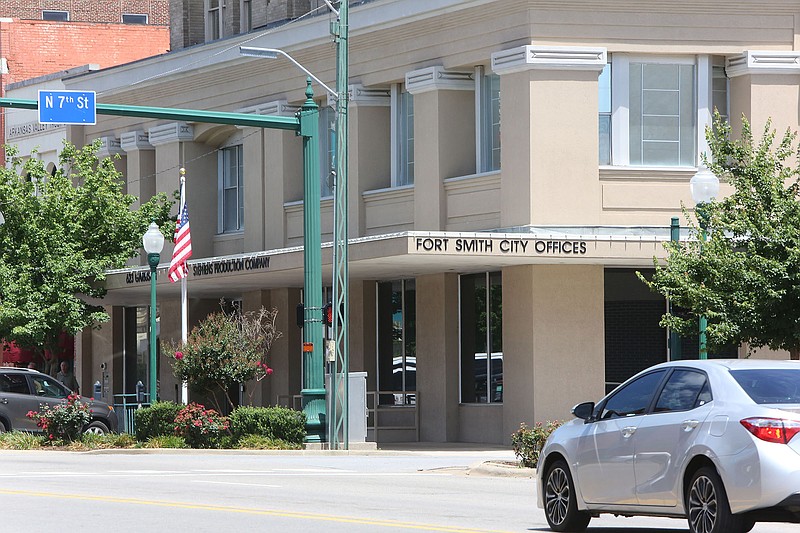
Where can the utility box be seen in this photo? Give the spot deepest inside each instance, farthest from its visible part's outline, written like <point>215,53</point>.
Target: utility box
<point>357,416</point>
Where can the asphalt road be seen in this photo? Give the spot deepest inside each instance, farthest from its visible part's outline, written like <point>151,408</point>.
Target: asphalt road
<point>212,492</point>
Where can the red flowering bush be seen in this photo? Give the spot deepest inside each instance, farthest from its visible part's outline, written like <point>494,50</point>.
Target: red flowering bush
<point>64,421</point>
<point>200,427</point>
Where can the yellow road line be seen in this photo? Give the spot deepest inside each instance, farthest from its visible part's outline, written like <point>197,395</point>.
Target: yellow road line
<point>223,508</point>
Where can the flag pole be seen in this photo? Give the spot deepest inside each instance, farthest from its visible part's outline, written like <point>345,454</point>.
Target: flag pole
<point>184,300</point>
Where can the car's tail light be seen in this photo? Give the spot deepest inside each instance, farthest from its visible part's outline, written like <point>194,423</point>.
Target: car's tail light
<point>772,429</point>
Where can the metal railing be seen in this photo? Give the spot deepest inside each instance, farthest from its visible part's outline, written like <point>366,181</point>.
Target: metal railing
<point>125,405</point>
<point>402,402</point>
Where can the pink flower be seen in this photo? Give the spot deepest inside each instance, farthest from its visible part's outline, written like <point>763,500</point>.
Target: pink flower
<point>268,370</point>
<point>178,355</point>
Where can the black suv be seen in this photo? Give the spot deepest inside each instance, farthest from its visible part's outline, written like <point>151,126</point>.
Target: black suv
<point>23,390</point>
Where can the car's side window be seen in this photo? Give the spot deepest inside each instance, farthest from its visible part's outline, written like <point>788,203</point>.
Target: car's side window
<point>634,398</point>
<point>47,387</point>
<point>684,390</point>
<point>14,383</point>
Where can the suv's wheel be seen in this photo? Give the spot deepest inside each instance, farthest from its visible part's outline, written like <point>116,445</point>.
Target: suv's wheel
<point>97,428</point>
<point>560,505</point>
<point>2,427</point>
<point>707,505</point>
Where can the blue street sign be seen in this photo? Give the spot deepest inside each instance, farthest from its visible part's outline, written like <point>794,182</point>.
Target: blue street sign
<point>67,107</point>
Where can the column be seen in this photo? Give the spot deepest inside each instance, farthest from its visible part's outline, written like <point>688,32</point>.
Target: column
<point>549,161</point>
<point>140,174</point>
<point>444,138</point>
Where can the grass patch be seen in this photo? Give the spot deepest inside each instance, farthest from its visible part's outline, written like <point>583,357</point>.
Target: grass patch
<point>260,442</point>
<point>165,441</point>
<point>21,440</point>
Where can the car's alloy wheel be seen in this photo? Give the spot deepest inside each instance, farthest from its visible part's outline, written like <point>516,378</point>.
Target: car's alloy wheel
<point>560,505</point>
<point>97,428</point>
<point>707,506</point>
<point>2,427</point>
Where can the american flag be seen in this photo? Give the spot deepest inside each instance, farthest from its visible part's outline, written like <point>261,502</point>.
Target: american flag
<point>183,241</point>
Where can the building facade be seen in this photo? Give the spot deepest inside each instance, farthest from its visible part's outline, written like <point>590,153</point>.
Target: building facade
<point>512,165</point>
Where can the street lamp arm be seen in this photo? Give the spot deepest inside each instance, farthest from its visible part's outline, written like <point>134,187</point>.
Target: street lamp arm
<point>271,53</point>
<point>330,6</point>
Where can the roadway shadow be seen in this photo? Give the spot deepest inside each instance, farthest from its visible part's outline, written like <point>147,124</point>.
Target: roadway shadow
<point>605,529</point>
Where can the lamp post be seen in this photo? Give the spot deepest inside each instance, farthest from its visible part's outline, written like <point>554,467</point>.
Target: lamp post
<point>153,242</point>
<point>704,186</point>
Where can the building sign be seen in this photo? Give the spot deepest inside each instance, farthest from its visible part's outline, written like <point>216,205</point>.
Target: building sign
<point>17,131</point>
<point>499,246</point>
<point>209,268</point>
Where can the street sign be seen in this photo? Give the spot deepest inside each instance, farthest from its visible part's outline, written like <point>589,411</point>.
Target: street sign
<point>67,107</point>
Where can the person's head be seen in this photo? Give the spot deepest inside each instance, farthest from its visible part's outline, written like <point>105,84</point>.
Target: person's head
<point>32,365</point>
<point>64,367</point>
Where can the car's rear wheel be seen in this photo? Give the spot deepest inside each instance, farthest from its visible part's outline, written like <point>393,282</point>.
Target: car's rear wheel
<point>96,428</point>
<point>560,504</point>
<point>707,505</point>
<point>2,427</point>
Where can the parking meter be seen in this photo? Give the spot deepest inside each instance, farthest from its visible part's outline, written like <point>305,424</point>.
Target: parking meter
<point>98,389</point>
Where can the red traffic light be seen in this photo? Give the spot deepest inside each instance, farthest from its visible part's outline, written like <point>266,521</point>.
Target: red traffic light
<point>327,314</point>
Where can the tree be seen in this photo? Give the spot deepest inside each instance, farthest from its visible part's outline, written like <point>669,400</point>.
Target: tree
<point>224,349</point>
<point>62,232</point>
<point>745,278</point>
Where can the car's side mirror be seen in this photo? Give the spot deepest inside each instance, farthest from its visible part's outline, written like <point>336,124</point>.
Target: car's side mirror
<point>584,411</point>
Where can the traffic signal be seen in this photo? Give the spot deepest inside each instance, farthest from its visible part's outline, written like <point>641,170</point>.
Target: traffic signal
<point>327,314</point>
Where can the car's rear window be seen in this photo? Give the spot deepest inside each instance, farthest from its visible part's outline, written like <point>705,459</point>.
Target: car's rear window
<point>770,385</point>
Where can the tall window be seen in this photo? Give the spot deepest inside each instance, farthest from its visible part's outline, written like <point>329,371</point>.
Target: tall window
<point>604,98</point>
<point>489,125</point>
<point>397,342</point>
<point>662,114</point>
<point>654,109</point>
<point>402,137</point>
<point>213,19</point>
<point>481,321</point>
<point>231,189</point>
<point>327,149</point>
<point>246,16</point>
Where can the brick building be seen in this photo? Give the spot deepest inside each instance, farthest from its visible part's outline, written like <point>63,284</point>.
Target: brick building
<point>39,37</point>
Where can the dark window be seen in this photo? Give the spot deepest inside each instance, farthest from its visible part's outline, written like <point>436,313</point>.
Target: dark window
<point>634,398</point>
<point>770,385</point>
<point>684,390</point>
<point>62,16</point>
<point>128,18</point>
<point>15,383</point>
<point>48,387</point>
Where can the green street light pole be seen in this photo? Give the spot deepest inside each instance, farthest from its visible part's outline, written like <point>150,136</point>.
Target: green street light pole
<point>153,242</point>
<point>674,338</point>
<point>704,187</point>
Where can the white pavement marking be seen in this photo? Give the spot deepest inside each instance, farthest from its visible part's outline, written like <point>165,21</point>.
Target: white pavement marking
<point>231,483</point>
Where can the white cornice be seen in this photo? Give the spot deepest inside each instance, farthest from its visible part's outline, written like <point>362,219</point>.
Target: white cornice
<point>169,133</point>
<point>135,140</point>
<point>438,79</point>
<point>763,62</point>
<point>109,146</point>
<point>549,58</point>
<point>280,108</point>
<point>369,96</point>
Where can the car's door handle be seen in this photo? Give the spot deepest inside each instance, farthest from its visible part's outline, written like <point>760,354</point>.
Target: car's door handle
<point>3,400</point>
<point>689,425</point>
<point>627,431</point>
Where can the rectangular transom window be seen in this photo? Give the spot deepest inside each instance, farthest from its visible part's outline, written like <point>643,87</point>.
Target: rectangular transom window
<point>62,16</point>
<point>131,18</point>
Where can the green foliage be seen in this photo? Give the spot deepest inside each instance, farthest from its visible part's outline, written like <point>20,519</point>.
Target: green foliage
<point>222,350</point>
<point>165,441</point>
<point>200,427</point>
<point>62,422</point>
<point>156,420</point>
<point>21,440</point>
<point>61,233</point>
<point>269,422</point>
<point>746,277</point>
<point>528,442</point>
<point>260,442</point>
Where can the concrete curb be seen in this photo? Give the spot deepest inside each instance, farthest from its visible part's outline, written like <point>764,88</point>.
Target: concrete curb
<point>501,469</point>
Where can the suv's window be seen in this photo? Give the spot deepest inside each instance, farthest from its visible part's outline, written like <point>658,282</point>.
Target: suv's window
<point>48,387</point>
<point>770,385</point>
<point>14,383</point>
<point>633,398</point>
<point>684,390</point>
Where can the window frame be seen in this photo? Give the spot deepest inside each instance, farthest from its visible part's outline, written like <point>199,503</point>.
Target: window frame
<point>143,16</point>
<point>620,103</point>
<point>246,16</point>
<point>490,342</point>
<point>485,120</point>
<point>238,149</point>
<point>213,31</point>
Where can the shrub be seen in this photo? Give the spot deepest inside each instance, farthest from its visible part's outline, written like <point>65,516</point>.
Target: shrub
<point>64,421</point>
<point>91,441</point>
<point>272,422</point>
<point>20,440</point>
<point>156,420</point>
<point>260,442</point>
<point>201,427</point>
<point>165,441</point>
<point>528,442</point>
